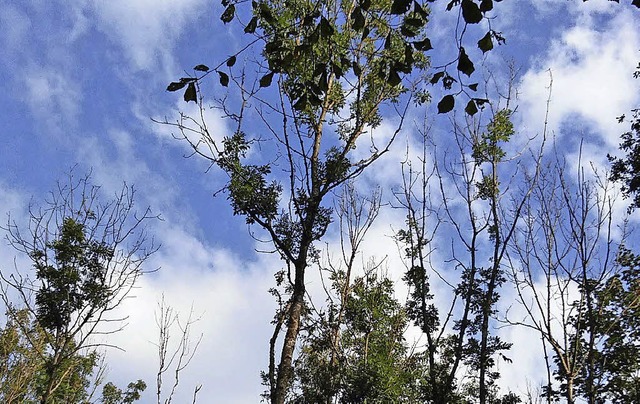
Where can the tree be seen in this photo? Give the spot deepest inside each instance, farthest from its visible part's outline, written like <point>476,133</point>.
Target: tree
<point>353,347</point>
<point>175,358</point>
<point>336,65</point>
<point>339,67</point>
<point>627,170</point>
<point>86,257</point>
<point>461,215</point>
<point>575,289</point>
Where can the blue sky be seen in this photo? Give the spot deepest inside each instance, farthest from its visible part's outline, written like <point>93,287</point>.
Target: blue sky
<point>81,80</point>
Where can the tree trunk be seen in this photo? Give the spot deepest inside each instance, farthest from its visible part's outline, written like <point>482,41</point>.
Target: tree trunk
<point>285,368</point>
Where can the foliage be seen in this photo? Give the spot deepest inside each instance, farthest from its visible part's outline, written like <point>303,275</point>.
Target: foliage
<point>86,257</point>
<point>627,170</point>
<point>114,395</point>
<point>371,362</point>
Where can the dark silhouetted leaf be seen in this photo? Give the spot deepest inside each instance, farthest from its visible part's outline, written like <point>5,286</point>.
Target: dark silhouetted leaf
<point>636,3</point>
<point>448,81</point>
<point>414,22</point>
<point>224,78</point>
<point>481,101</point>
<point>408,31</point>
<point>400,6</point>
<point>176,85</point>
<point>471,12</point>
<point>314,100</point>
<point>365,4</point>
<point>357,19</point>
<point>446,104</point>
<point>394,78</point>
<point>201,68</point>
<point>473,87</point>
<point>228,14</point>
<point>190,93</point>
<point>231,61</point>
<point>436,77</point>
<point>471,108</point>
<point>417,8</point>
<point>486,5</point>
<point>301,104</point>
<point>265,81</point>
<point>337,70</point>
<point>465,65</point>
<point>408,55</point>
<point>356,69</point>
<point>423,45</point>
<point>265,13</point>
<point>387,41</point>
<point>326,30</point>
<point>251,27</point>
<point>323,82</point>
<point>486,43</point>
<point>365,33</point>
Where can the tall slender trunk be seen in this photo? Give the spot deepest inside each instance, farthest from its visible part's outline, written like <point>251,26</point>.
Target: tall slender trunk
<point>285,368</point>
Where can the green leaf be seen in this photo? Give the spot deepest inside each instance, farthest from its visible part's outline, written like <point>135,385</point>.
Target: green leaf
<point>400,6</point>
<point>471,12</point>
<point>201,68</point>
<point>465,65</point>
<point>265,81</point>
<point>231,61</point>
<point>446,104</point>
<point>251,27</point>
<point>224,78</point>
<point>423,45</point>
<point>486,5</point>
<point>471,108</point>
<point>176,85</point>
<point>228,14</point>
<point>190,93</point>
<point>486,43</point>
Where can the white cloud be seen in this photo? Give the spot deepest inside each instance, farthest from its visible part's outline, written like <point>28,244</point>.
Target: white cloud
<point>228,293</point>
<point>53,96</point>
<point>592,79</point>
<point>146,29</point>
